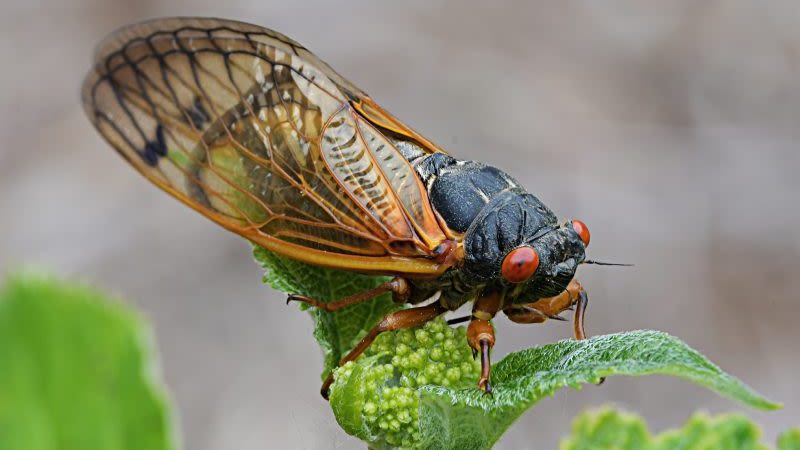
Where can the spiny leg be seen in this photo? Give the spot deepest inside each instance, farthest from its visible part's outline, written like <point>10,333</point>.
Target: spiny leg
<point>580,312</point>
<point>574,296</point>
<point>397,286</point>
<point>480,335</point>
<point>398,320</point>
<point>528,314</point>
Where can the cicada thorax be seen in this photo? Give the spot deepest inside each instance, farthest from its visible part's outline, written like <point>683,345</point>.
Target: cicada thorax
<point>496,216</point>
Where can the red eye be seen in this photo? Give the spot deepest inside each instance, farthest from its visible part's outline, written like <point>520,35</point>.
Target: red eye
<point>582,230</point>
<point>519,264</point>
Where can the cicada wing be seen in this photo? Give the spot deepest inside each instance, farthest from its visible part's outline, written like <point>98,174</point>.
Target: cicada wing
<point>252,130</point>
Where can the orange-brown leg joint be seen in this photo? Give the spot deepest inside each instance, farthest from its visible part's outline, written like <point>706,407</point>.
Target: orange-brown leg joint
<point>480,336</point>
<point>575,295</point>
<point>399,287</point>
<point>550,308</point>
<point>580,312</point>
<point>581,302</point>
<point>398,320</point>
<point>525,314</point>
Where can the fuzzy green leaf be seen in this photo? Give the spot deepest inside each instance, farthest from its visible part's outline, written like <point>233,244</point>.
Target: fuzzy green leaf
<point>461,417</point>
<point>76,371</point>
<point>607,429</point>
<point>457,415</point>
<point>337,332</point>
<point>523,378</point>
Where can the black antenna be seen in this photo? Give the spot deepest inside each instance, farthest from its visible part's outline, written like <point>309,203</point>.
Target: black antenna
<point>602,263</point>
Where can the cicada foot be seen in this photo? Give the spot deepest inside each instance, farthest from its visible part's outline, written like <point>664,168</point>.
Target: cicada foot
<point>574,297</point>
<point>485,386</point>
<point>480,336</point>
<point>580,312</point>
<point>486,367</point>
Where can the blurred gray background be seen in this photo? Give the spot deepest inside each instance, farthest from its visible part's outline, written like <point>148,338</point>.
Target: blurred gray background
<point>670,128</point>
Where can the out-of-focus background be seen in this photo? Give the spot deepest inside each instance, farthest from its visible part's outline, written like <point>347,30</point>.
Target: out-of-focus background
<point>671,128</point>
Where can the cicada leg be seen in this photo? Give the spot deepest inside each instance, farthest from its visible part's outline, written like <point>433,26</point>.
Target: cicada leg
<point>573,297</point>
<point>580,312</point>
<point>528,314</point>
<point>398,320</point>
<point>480,334</point>
<point>397,286</point>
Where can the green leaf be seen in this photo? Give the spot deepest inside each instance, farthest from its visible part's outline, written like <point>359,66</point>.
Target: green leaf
<point>607,429</point>
<point>338,332</point>
<point>370,397</point>
<point>523,378</point>
<point>76,371</point>
<point>464,418</point>
<point>790,440</point>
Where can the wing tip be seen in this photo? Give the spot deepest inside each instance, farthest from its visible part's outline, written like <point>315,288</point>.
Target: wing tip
<point>126,33</point>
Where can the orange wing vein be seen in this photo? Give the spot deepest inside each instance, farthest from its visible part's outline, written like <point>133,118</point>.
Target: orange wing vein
<point>253,131</point>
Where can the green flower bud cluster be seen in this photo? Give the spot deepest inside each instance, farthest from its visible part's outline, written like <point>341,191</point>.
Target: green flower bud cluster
<point>434,354</point>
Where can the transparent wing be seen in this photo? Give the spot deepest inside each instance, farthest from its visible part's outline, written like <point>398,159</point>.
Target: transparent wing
<point>252,130</point>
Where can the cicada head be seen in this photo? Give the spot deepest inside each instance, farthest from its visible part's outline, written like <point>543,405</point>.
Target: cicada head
<point>516,243</point>
<point>560,252</point>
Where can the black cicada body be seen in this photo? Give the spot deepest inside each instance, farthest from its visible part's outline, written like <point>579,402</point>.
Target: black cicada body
<point>255,132</point>
<point>499,222</point>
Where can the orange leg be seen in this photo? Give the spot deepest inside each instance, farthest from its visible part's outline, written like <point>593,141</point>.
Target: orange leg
<point>577,325</point>
<point>397,286</point>
<point>398,320</point>
<point>580,312</point>
<point>574,296</point>
<point>553,306</point>
<point>480,335</point>
<point>528,314</point>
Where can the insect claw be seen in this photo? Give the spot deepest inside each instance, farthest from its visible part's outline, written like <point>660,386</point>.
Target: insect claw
<point>485,386</point>
<point>325,390</point>
<point>474,354</point>
<point>299,298</point>
<point>557,317</point>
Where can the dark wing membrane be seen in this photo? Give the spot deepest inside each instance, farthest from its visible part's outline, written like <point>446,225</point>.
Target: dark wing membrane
<point>252,130</point>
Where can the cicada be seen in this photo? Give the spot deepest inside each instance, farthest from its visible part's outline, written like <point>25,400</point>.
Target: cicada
<point>249,128</point>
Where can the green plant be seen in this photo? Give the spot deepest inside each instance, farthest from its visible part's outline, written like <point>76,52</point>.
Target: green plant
<point>607,429</point>
<point>76,371</point>
<point>445,411</point>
